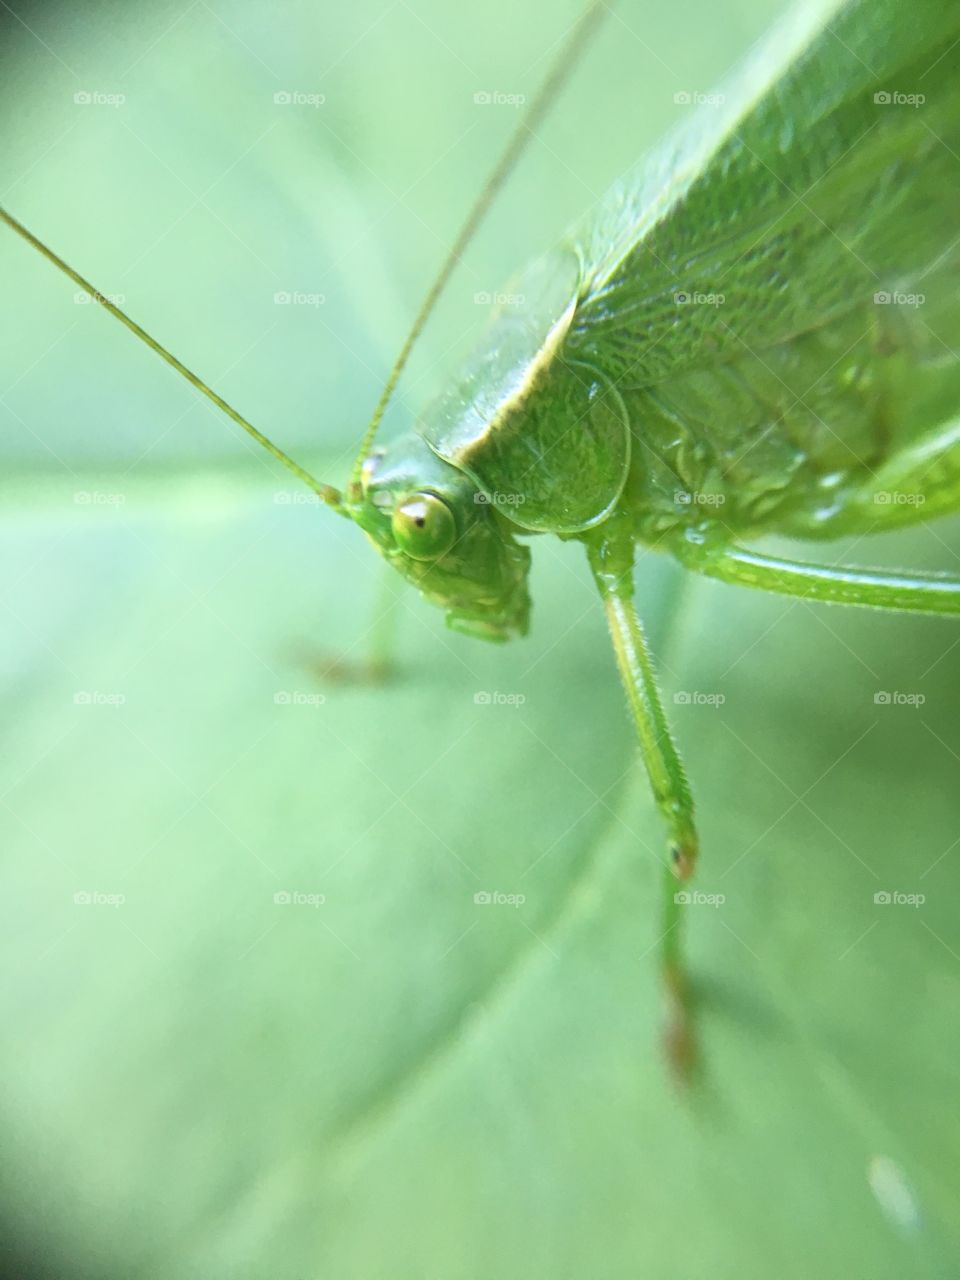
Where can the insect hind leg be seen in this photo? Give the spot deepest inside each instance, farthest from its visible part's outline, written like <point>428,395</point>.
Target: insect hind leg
<point>831,584</point>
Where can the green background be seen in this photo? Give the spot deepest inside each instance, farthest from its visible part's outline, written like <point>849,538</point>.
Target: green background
<point>401,1082</point>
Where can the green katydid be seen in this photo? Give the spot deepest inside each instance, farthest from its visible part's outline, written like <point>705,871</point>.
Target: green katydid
<point>722,352</point>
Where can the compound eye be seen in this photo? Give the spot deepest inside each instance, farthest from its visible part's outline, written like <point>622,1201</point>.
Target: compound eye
<point>424,527</point>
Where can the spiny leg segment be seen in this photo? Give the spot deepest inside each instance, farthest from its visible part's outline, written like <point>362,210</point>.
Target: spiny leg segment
<point>611,552</point>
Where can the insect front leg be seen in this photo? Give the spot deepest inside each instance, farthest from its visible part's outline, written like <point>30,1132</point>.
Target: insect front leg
<point>611,552</point>
<point>372,659</point>
<point>382,644</point>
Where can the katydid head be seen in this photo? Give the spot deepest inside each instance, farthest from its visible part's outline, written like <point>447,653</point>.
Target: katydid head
<point>434,525</point>
<point>429,519</point>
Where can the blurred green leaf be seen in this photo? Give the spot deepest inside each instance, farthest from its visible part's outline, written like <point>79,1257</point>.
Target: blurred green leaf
<point>401,1081</point>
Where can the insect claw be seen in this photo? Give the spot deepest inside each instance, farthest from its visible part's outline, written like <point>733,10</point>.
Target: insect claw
<point>679,1037</point>
<point>683,858</point>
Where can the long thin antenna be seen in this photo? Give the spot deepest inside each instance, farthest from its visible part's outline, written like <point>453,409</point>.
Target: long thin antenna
<point>574,45</point>
<point>326,492</point>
